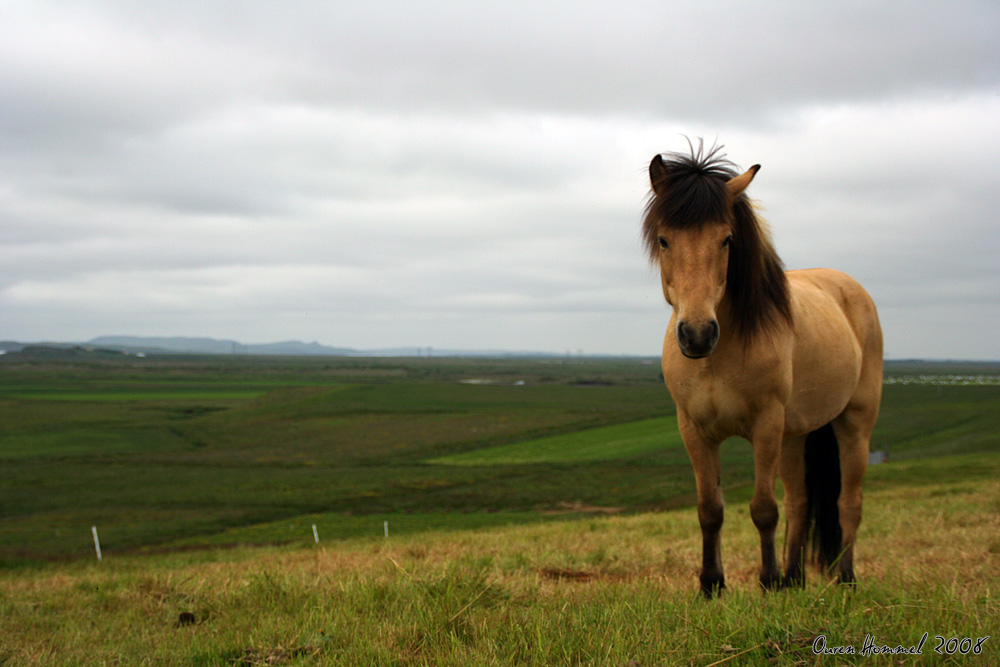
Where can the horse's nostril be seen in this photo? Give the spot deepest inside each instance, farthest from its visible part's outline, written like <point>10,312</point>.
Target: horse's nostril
<point>697,340</point>
<point>682,330</point>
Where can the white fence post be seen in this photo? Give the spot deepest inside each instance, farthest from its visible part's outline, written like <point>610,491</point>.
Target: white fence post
<point>97,543</point>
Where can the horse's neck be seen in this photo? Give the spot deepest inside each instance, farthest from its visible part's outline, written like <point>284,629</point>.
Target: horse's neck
<point>736,355</point>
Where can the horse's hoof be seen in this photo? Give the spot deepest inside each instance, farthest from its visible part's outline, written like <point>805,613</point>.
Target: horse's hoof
<point>712,593</point>
<point>771,582</point>
<point>712,588</point>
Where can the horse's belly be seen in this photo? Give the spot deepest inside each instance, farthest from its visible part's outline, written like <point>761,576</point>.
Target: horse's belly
<point>826,364</point>
<point>812,407</point>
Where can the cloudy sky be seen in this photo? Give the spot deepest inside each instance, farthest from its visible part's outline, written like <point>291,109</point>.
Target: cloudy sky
<point>471,175</point>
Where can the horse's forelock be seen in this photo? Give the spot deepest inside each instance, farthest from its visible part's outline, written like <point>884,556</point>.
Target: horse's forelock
<point>689,190</point>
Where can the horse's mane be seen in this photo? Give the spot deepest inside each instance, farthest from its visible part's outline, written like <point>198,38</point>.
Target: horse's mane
<point>692,192</point>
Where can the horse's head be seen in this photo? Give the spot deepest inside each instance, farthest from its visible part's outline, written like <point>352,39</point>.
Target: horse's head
<point>691,230</point>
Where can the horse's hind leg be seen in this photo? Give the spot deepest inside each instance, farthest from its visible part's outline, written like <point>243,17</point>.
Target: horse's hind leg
<point>853,429</point>
<point>793,476</point>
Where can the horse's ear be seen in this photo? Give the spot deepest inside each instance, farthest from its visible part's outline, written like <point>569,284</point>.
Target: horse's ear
<point>657,174</point>
<point>738,184</point>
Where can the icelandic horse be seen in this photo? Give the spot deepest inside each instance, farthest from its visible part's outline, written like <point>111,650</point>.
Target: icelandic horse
<point>791,361</point>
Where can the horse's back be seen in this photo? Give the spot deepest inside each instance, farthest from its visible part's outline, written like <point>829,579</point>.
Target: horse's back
<point>837,354</point>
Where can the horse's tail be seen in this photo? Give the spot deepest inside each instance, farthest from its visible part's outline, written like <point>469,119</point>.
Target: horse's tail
<point>823,489</point>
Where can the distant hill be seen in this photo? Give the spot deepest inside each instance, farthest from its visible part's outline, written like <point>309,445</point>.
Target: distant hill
<point>294,347</point>
<point>181,345</point>
<point>186,345</point>
<point>54,352</point>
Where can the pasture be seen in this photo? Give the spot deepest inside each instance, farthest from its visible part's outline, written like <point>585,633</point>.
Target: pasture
<point>539,515</point>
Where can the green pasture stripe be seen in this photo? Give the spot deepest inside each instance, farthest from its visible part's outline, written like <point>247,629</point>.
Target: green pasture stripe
<point>621,441</point>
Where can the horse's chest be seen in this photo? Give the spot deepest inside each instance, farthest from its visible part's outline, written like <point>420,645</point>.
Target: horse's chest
<point>721,408</point>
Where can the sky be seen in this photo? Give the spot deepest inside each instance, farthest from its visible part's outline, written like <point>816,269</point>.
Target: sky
<point>471,175</point>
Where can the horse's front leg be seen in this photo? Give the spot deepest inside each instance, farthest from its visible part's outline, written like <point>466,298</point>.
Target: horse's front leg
<point>704,455</point>
<point>767,436</point>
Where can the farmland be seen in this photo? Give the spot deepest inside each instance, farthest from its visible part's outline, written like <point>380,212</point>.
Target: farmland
<point>232,450</point>
<point>539,513</point>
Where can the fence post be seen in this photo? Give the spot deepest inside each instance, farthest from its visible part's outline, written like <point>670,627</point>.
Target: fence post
<point>97,543</point>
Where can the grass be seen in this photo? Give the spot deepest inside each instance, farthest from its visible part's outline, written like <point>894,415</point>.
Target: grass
<point>590,591</point>
<point>205,476</point>
<point>622,441</point>
<point>926,421</point>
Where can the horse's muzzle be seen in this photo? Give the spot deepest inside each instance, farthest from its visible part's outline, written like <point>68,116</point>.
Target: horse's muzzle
<point>697,341</point>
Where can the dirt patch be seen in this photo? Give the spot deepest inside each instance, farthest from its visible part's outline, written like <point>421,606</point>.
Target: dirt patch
<point>561,574</point>
<point>578,507</point>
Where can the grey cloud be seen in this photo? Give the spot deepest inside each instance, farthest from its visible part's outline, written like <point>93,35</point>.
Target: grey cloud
<point>469,175</point>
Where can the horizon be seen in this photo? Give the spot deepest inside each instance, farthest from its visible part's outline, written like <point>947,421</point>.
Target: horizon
<point>420,351</point>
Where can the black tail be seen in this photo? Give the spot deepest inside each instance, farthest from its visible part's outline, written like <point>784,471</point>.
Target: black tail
<point>823,488</point>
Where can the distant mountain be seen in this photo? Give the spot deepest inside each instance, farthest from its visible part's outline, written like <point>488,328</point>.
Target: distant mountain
<point>181,345</point>
<point>294,347</point>
<point>49,352</point>
<point>184,345</point>
<point>160,344</point>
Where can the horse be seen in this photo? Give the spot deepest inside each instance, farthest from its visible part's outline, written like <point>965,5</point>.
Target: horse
<point>789,360</point>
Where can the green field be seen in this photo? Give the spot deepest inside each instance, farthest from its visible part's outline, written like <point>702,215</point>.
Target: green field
<point>206,475</point>
<point>604,443</point>
<point>209,449</point>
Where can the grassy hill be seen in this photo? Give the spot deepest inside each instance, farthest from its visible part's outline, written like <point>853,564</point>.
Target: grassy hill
<point>596,591</point>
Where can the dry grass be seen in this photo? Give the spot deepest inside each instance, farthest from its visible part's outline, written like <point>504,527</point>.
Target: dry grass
<point>605,591</point>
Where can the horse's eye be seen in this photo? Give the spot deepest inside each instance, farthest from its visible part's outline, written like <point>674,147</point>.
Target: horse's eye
<point>663,243</point>
<point>728,242</point>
